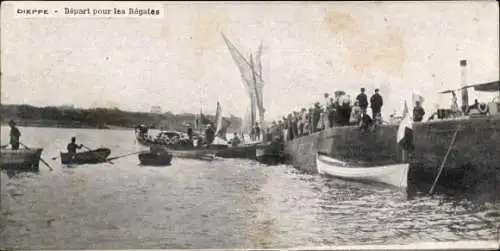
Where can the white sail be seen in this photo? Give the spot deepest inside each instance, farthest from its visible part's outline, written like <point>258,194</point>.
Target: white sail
<point>218,119</point>
<point>242,64</point>
<point>246,123</point>
<point>252,80</point>
<point>259,84</point>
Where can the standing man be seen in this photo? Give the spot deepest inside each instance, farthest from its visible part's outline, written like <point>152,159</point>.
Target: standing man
<point>362,100</point>
<point>15,134</point>
<point>376,103</point>
<point>418,112</point>
<point>190,132</point>
<point>209,135</point>
<point>257,132</point>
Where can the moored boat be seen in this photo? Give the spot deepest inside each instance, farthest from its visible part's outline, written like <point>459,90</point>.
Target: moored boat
<point>185,150</point>
<point>239,152</point>
<point>270,153</point>
<point>22,159</point>
<point>199,153</point>
<point>155,159</point>
<point>392,174</point>
<point>89,157</point>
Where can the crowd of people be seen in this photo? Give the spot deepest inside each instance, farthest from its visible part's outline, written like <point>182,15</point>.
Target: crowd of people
<point>338,110</point>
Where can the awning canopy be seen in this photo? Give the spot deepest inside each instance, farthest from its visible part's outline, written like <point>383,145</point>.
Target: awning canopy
<point>484,87</point>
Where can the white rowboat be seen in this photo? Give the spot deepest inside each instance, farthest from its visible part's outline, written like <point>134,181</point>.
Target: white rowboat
<point>395,174</point>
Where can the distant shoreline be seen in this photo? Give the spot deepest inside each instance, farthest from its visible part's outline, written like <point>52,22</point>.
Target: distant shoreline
<point>102,118</point>
<point>59,124</point>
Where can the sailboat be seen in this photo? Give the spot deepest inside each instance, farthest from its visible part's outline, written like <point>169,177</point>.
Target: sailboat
<point>251,73</point>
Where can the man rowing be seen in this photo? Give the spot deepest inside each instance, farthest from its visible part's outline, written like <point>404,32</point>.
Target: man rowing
<point>15,134</point>
<point>73,146</point>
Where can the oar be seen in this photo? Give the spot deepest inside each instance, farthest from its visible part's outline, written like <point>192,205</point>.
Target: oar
<point>43,161</point>
<point>121,156</point>
<point>97,154</point>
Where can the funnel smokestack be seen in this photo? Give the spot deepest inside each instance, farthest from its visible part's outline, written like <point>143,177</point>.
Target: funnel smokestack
<point>465,93</point>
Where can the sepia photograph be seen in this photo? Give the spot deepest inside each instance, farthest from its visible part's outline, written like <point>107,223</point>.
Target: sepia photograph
<point>295,125</point>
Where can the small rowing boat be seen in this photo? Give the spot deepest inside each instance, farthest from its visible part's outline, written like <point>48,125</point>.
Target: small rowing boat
<point>89,157</point>
<point>392,174</point>
<point>22,159</point>
<point>155,159</point>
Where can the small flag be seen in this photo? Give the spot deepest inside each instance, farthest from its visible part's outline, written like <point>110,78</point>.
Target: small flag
<point>405,132</point>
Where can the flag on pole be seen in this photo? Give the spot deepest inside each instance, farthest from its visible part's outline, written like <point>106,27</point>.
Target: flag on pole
<point>405,131</point>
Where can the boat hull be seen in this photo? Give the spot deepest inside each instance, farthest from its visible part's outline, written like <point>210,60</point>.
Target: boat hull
<point>238,152</point>
<point>152,159</point>
<point>90,157</point>
<point>473,164</point>
<point>394,174</point>
<point>22,159</point>
<point>188,151</point>
<point>271,153</point>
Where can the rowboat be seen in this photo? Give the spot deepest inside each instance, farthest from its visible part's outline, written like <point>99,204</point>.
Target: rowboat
<point>393,174</point>
<point>89,157</point>
<point>155,159</point>
<point>22,159</point>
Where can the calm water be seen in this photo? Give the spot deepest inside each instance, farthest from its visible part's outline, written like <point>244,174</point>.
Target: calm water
<point>220,204</point>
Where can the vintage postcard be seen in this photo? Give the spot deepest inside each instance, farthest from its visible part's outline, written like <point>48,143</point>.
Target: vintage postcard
<point>250,125</point>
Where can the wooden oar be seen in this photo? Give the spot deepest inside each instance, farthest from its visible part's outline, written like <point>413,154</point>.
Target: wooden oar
<point>92,151</point>
<point>43,161</point>
<point>121,156</point>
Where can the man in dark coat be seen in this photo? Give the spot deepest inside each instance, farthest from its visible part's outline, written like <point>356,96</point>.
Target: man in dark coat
<point>14,135</point>
<point>257,131</point>
<point>316,117</point>
<point>376,103</point>
<point>362,100</point>
<point>418,112</point>
<point>190,132</point>
<point>289,127</point>
<point>209,134</point>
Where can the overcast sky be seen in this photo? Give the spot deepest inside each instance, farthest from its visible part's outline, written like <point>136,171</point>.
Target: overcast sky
<point>181,60</point>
